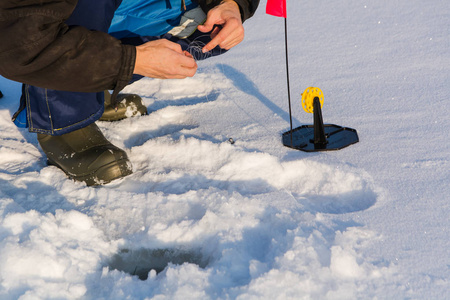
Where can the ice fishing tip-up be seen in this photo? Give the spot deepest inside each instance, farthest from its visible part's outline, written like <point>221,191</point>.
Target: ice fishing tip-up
<point>319,136</point>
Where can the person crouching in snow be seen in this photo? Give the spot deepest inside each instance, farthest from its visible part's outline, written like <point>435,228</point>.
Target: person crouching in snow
<point>69,53</point>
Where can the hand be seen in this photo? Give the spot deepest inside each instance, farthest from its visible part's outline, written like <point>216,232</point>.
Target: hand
<point>230,33</point>
<point>165,60</point>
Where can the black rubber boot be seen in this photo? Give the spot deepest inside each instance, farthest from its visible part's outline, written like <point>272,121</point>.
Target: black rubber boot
<point>129,105</point>
<point>86,155</point>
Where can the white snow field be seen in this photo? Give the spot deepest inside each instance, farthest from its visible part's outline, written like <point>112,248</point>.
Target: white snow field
<point>202,218</point>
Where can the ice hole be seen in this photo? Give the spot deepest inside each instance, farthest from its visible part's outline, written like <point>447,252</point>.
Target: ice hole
<point>139,262</point>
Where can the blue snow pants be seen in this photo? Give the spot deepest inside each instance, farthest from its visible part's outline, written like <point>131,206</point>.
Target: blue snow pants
<point>58,112</point>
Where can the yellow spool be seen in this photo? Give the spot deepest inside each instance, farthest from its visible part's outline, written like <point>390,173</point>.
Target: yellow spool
<point>308,98</point>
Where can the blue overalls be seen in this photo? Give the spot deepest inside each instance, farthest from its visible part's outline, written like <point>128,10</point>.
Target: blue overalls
<point>58,112</point>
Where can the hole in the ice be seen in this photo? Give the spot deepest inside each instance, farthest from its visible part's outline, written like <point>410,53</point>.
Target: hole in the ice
<point>139,262</point>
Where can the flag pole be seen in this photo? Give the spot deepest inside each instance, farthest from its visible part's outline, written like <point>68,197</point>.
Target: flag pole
<point>278,8</point>
<point>287,74</point>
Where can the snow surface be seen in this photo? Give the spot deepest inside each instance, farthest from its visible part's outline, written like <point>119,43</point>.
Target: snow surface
<point>254,219</point>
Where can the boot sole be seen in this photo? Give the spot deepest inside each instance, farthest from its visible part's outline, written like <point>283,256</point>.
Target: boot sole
<point>103,175</point>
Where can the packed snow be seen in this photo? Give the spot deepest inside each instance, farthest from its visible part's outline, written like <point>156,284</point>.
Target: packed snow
<point>218,208</point>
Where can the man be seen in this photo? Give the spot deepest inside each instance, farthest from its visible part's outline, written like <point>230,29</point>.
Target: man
<point>61,51</point>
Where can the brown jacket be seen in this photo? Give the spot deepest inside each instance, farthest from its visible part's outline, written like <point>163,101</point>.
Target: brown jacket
<point>38,48</point>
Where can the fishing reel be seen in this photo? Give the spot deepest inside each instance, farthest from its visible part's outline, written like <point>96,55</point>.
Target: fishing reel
<point>308,98</point>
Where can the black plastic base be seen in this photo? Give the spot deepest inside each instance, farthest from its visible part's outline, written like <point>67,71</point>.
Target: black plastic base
<point>319,137</point>
<point>337,137</point>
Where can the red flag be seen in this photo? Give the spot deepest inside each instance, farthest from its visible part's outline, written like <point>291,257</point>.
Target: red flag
<point>276,8</point>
